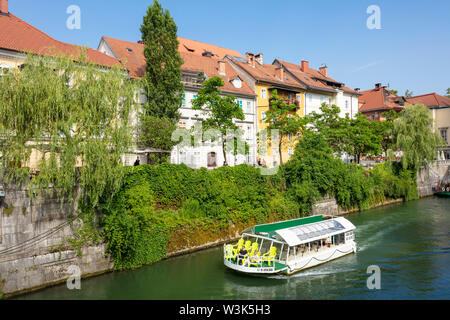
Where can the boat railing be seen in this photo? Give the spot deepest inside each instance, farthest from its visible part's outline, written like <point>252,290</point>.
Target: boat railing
<point>257,261</point>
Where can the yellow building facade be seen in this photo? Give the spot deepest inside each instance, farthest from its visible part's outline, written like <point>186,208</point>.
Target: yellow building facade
<point>268,155</point>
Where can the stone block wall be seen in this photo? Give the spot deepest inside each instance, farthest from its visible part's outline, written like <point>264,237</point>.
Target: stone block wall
<point>33,243</point>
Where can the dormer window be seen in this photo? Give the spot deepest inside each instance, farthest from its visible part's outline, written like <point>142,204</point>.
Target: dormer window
<point>237,83</point>
<point>129,50</point>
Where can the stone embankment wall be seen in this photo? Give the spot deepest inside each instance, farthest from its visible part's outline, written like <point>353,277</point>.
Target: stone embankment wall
<point>33,244</point>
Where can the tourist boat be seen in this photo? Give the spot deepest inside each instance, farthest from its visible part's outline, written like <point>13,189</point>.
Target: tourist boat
<point>290,246</point>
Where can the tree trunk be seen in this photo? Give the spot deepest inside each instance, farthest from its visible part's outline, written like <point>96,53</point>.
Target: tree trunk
<point>279,150</point>
<point>225,163</point>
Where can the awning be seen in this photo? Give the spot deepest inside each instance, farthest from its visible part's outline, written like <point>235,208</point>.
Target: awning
<point>315,231</point>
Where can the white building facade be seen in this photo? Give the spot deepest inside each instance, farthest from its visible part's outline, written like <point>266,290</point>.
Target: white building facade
<point>209,154</point>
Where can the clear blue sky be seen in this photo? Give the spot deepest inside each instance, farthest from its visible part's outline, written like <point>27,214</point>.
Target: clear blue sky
<point>410,51</point>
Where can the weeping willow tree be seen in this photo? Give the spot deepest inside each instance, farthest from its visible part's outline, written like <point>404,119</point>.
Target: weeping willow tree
<point>413,134</point>
<point>66,124</point>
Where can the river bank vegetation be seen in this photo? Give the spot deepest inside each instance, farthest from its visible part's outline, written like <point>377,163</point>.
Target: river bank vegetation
<point>171,207</point>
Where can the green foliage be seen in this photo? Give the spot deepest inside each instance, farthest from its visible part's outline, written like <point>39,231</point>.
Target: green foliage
<point>408,94</point>
<point>362,138</point>
<point>157,133</point>
<point>329,123</point>
<point>158,201</point>
<point>356,136</point>
<point>74,117</point>
<point>413,134</point>
<point>162,82</point>
<point>315,172</point>
<point>384,129</point>
<point>394,181</point>
<point>135,238</point>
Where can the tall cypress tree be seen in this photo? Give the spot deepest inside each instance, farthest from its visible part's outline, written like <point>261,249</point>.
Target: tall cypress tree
<point>162,83</point>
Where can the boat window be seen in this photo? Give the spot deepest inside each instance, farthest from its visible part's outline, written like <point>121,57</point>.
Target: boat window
<point>291,254</point>
<point>265,246</point>
<point>284,253</point>
<point>278,246</point>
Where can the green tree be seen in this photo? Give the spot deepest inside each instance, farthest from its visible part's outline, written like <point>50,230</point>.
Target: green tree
<point>333,128</point>
<point>282,117</point>
<point>384,130</point>
<point>74,118</point>
<point>408,94</point>
<point>157,133</point>
<point>162,82</point>
<point>219,111</point>
<point>413,134</point>
<point>362,137</point>
<point>393,91</point>
<point>448,93</point>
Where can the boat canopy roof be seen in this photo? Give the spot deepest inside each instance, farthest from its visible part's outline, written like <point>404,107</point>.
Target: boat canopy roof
<point>270,228</point>
<point>297,235</point>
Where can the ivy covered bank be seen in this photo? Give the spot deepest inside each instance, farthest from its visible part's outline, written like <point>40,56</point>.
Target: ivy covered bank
<point>165,208</point>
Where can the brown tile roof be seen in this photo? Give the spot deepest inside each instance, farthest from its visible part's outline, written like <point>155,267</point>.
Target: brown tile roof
<point>431,100</point>
<point>267,73</point>
<point>311,77</point>
<point>17,35</point>
<point>135,62</point>
<point>381,100</point>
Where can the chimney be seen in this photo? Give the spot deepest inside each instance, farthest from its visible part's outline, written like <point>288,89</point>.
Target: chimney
<point>250,58</point>
<point>324,70</point>
<point>305,66</point>
<point>358,90</point>
<point>4,7</point>
<point>259,58</point>
<point>378,86</point>
<point>279,72</point>
<point>222,67</point>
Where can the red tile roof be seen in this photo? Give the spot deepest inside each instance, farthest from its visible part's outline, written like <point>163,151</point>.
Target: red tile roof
<point>431,100</point>
<point>135,62</point>
<point>211,68</point>
<point>267,73</point>
<point>17,35</point>
<point>380,99</point>
<point>131,54</point>
<point>312,76</point>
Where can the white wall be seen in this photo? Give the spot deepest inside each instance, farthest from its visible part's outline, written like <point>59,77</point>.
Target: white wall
<point>346,102</point>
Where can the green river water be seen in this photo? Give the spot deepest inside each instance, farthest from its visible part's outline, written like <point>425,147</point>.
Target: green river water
<point>410,242</point>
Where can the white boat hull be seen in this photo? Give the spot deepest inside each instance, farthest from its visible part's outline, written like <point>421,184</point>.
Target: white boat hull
<point>323,256</point>
<point>252,270</point>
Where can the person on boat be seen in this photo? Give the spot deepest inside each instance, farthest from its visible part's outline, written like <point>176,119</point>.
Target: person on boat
<point>242,254</point>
